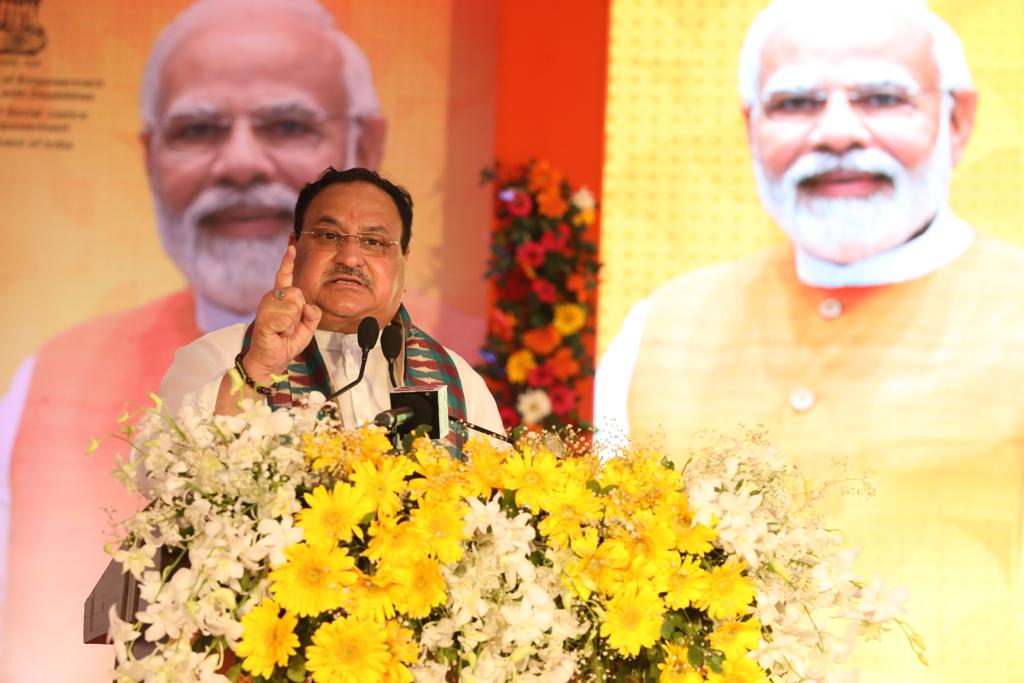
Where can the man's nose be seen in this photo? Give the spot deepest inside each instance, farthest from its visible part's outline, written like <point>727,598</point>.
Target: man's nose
<point>839,128</point>
<point>242,160</point>
<point>349,252</point>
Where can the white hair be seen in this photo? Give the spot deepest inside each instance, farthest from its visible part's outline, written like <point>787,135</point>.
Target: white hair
<point>356,79</point>
<point>947,50</point>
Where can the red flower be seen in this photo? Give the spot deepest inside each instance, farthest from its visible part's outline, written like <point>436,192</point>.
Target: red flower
<point>502,324</point>
<point>518,202</point>
<point>541,376</point>
<point>509,416</point>
<point>563,399</point>
<point>530,255</point>
<point>515,286</point>
<point>544,290</point>
<point>556,240</point>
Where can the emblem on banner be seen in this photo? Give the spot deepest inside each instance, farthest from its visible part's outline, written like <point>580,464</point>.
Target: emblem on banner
<point>20,30</point>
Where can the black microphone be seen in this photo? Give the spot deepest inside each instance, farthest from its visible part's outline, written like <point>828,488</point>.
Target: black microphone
<point>391,345</point>
<point>415,406</point>
<point>366,335</point>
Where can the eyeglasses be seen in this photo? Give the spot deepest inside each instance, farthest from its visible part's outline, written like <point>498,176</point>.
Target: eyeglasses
<point>869,102</point>
<point>369,245</point>
<point>284,129</point>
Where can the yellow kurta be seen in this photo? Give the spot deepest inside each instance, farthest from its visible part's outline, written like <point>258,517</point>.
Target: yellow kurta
<point>920,385</point>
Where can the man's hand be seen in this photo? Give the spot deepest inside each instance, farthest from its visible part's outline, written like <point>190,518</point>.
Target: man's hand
<point>284,325</point>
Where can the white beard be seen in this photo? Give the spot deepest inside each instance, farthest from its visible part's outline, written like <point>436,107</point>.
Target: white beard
<point>231,272</point>
<point>845,230</point>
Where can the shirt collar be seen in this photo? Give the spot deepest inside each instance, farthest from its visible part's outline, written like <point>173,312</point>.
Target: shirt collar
<point>944,240</point>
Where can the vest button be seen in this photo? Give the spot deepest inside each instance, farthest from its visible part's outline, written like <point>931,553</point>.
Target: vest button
<point>802,399</point>
<point>830,308</point>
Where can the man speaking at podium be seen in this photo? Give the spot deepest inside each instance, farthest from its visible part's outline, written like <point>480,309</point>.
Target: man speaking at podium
<point>345,262</point>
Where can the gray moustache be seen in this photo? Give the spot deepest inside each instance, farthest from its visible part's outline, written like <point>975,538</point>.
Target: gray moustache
<point>350,272</point>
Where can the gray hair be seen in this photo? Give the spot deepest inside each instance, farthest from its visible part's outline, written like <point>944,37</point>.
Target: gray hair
<point>947,50</point>
<point>356,79</point>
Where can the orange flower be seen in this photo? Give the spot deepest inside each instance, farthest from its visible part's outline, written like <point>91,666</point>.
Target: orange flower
<point>543,177</point>
<point>577,284</point>
<point>563,364</point>
<point>542,340</point>
<point>551,203</point>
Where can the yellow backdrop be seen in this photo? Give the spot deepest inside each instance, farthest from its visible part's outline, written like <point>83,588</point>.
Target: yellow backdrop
<point>678,186</point>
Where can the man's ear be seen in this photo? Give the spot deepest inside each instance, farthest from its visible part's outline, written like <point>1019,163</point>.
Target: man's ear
<point>961,121</point>
<point>370,147</point>
<point>291,237</point>
<point>746,120</point>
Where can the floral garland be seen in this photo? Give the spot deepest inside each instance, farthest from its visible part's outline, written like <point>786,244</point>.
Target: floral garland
<point>543,269</point>
<point>303,551</point>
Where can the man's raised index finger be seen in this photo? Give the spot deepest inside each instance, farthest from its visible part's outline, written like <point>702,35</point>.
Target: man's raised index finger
<point>284,272</point>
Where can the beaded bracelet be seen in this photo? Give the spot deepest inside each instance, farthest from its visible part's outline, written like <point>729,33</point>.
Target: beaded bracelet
<point>265,390</point>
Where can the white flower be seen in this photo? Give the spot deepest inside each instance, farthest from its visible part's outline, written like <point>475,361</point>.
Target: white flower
<point>880,606</point>
<point>136,560</point>
<point>582,199</point>
<point>277,536</point>
<point>121,633</point>
<point>534,405</point>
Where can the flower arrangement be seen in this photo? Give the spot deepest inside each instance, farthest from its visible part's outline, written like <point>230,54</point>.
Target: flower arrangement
<point>543,269</point>
<point>299,550</point>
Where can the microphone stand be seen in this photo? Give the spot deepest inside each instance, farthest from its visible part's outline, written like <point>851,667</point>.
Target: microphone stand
<point>367,337</point>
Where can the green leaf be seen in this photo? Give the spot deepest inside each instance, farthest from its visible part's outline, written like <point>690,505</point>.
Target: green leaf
<point>695,656</point>
<point>715,660</point>
<point>367,518</point>
<point>93,445</point>
<point>234,672</point>
<point>296,669</point>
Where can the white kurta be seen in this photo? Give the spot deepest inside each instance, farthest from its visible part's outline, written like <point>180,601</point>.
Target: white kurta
<point>195,375</point>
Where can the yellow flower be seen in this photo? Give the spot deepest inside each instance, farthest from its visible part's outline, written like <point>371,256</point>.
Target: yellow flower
<point>736,638</point>
<point>369,599</point>
<point>442,526</point>
<point>633,619</point>
<point>597,566</point>
<point>690,538</point>
<point>729,593</point>
<point>404,650</point>
<point>381,484</point>
<point>312,578</point>
<point>531,475</point>
<point>687,584</point>
<point>441,475</point>
<point>483,467</point>
<point>584,217</point>
<point>335,451</point>
<point>742,670</point>
<point>348,649</point>
<point>569,318</point>
<point>268,638</point>
<point>335,516</point>
<point>676,667</point>
<point>519,365</point>
<point>396,541</point>
<point>419,586</point>
<point>569,510</point>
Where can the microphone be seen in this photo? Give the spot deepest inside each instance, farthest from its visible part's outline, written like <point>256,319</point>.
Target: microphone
<point>415,406</point>
<point>367,338</point>
<point>391,345</point>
